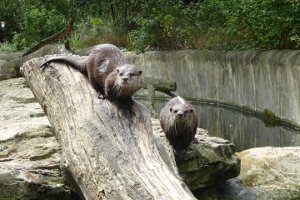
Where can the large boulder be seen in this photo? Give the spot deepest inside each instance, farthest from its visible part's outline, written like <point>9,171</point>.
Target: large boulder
<point>11,68</point>
<point>266,173</point>
<point>10,56</point>
<point>271,172</point>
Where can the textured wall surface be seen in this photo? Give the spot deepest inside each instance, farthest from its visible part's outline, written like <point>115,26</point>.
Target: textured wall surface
<point>257,79</point>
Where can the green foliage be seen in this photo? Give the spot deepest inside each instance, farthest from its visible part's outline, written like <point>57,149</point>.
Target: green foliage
<point>160,28</point>
<point>37,24</point>
<point>9,13</point>
<point>7,47</point>
<point>270,24</point>
<point>93,30</point>
<point>157,24</point>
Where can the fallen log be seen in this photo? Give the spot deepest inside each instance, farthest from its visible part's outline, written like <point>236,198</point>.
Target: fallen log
<point>108,147</point>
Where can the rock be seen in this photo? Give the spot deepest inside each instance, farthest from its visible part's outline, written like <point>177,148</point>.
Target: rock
<point>10,56</point>
<point>11,68</point>
<point>271,172</point>
<point>211,161</point>
<point>2,62</point>
<point>29,152</point>
<point>266,173</point>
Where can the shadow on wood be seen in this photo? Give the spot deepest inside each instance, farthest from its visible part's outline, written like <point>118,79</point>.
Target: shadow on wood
<point>107,147</point>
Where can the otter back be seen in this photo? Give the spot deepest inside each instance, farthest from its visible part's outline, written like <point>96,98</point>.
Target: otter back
<point>104,60</point>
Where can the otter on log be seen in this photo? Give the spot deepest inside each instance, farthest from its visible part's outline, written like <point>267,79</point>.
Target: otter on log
<point>108,71</point>
<point>178,120</point>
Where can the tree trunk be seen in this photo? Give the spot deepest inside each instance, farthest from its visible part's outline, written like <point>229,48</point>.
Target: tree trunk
<point>107,146</point>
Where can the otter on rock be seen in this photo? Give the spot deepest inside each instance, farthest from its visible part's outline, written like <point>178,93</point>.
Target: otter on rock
<point>178,119</point>
<point>108,71</point>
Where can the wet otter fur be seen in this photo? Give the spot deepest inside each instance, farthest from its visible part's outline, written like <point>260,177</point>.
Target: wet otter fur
<point>178,120</point>
<point>107,70</point>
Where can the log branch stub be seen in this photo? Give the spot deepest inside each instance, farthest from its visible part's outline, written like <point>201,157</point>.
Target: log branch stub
<point>107,146</point>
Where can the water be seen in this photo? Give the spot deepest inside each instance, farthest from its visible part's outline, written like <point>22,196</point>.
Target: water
<point>245,131</point>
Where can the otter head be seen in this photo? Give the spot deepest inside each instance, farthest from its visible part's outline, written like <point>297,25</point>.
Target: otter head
<point>182,113</point>
<point>124,81</point>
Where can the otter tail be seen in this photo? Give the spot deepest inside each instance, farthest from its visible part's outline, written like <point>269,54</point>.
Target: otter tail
<point>73,61</point>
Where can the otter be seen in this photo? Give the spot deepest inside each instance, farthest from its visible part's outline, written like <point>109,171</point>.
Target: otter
<point>108,71</point>
<point>178,119</point>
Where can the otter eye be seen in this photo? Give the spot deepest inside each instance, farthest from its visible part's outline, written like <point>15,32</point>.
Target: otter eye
<point>175,111</point>
<point>171,109</point>
<point>121,74</point>
<point>140,72</point>
<point>191,111</point>
<point>118,70</point>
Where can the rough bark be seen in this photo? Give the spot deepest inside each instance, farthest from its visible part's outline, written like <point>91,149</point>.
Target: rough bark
<point>107,147</point>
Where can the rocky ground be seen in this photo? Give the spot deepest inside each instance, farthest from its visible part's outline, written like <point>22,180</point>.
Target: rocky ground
<point>30,157</point>
<point>29,152</point>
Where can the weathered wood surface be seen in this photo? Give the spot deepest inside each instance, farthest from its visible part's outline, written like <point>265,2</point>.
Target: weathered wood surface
<point>107,147</point>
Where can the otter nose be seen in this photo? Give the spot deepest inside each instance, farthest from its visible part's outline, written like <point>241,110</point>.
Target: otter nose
<point>125,78</point>
<point>180,114</point>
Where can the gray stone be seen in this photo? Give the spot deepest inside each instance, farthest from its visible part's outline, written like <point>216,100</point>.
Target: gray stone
<point>10,56</point>
<point>11,68</point>
<point>271,172</point>
<point>266,173</point>
<point>29,152</point>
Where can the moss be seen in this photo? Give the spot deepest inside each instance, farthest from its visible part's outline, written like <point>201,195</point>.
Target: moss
<point>269,118</point>
<point>26,190</point>
<point>249,181</point>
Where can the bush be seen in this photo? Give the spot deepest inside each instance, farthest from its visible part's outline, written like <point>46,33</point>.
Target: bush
<point>161,24</point>
<point>270,24</point>
<point>37,24</point>
<point>7,47</point>
<point>158,24</point>
<point>94,30</point>
<point>215,24</point>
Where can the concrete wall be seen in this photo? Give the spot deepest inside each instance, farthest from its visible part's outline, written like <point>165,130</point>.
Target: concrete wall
<point>258,79</point>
